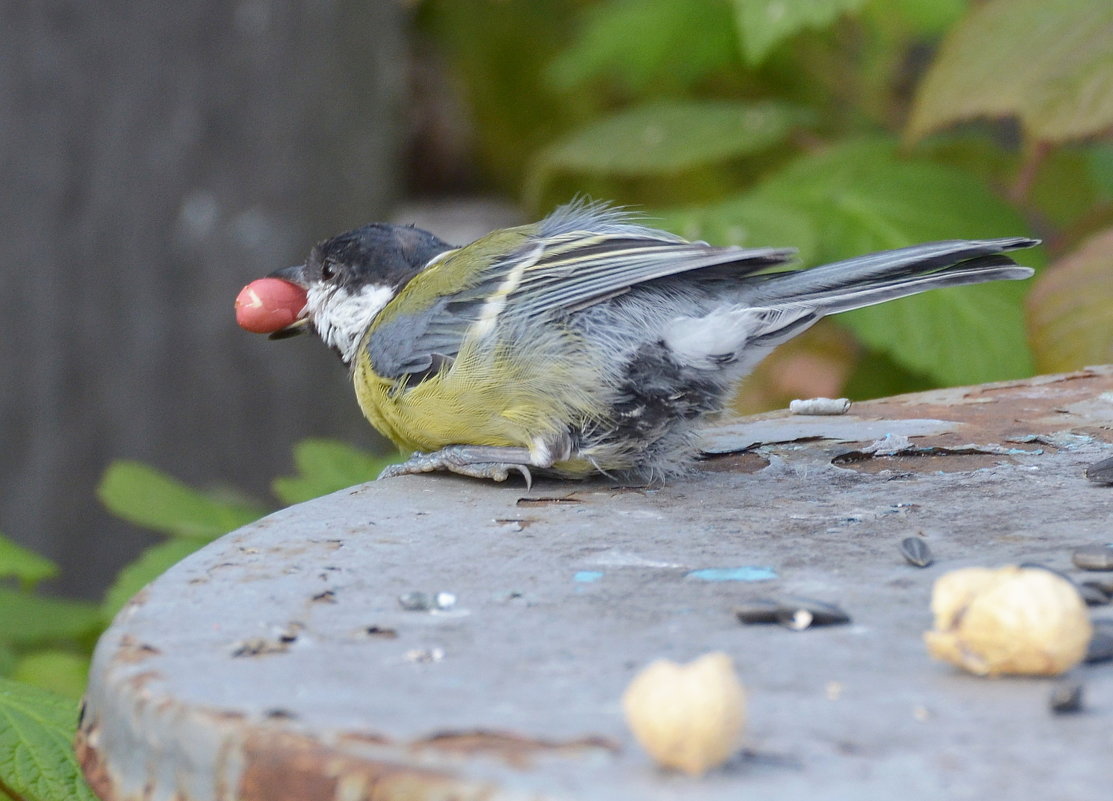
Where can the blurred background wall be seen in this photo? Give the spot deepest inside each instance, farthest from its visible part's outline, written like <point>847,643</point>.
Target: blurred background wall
<point>154,158</point>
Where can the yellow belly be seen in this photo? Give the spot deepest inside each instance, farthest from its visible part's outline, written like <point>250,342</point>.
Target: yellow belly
<point>513,394</point>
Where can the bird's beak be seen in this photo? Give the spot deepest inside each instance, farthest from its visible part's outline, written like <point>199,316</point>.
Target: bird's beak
<point>295,274</point>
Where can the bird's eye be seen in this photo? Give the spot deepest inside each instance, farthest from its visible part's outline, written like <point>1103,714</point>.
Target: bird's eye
<point>328,271</point>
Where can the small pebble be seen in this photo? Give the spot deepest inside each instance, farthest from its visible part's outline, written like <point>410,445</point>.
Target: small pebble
<point>916,551</point>
<point>425,655</point>
<point>1093,557</point>
<point>1066,697</point>
<point>1101,472</point>
<point>417,601</point>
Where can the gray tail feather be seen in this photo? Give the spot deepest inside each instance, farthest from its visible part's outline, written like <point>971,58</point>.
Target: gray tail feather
<point>878,277</point>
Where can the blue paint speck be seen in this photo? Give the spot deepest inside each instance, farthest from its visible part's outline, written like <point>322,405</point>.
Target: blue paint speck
<point>587,576</point>
<point>744,573</point>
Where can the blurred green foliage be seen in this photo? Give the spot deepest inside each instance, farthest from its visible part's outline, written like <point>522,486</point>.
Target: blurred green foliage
<point>46,643</point>
<point>827,126</point>
<point>142,495</point>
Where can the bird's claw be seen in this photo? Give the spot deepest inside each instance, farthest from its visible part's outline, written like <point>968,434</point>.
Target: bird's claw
<point>450,461</point>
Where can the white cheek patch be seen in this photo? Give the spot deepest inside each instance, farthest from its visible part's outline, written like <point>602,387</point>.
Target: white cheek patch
<point>342,318</point>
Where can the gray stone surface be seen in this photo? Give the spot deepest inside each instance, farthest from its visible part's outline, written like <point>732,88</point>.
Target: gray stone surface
<point>278,663</point>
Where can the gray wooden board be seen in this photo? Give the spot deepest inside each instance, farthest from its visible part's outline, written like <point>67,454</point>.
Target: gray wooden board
<point>277,662</point>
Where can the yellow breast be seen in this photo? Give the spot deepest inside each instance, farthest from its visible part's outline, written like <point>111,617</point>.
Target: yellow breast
<point>495,393</point>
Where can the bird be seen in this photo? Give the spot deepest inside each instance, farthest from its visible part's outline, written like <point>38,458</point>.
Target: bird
<point>587,343</point>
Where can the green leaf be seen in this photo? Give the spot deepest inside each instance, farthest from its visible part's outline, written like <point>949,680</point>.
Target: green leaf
<point>151,564</point>
<point>668,138</point>
<point>1050,64</point>
<point>636,42</point>
<point>494,107</point>
<point>861,194</point>
<point>927,17</point>
<point>1078,102</point>
<point>934,333</point>
<point>22,564</point>
<point>877,376</point>
<point>743,221</point>
<point>37,762</point>
<point>54,669</point>
<point>30,620</point>
<point>1071,308</point>
<point>763,24</point>
<point>1064,190</point>
<point>7,659</point>
<point>149,498</point>
<point>1101,170</point>
<point>862,198</point>
<point>325,466</point>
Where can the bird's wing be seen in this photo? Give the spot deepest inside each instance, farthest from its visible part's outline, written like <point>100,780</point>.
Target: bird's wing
<point>576,270</point>
<point>565,272</point>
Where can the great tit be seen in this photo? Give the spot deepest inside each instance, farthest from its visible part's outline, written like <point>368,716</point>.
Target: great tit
<point>585,343</point>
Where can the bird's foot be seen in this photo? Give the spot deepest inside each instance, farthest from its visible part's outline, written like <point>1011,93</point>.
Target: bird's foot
<point>483,461</point>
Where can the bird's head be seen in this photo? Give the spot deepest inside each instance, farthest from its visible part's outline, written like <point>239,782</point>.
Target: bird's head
<point>350,278</point>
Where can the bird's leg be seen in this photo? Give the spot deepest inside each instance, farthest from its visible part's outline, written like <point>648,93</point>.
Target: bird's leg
<point>477,461</point>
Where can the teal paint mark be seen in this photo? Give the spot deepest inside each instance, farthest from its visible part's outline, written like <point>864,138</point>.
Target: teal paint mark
<point>744,573</point>
<point>587,576</point>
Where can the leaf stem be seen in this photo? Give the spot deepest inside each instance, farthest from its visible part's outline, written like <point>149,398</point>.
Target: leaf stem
<point>1035,153</point>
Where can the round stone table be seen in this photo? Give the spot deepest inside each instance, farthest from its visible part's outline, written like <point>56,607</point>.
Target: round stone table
<point>280,662</point>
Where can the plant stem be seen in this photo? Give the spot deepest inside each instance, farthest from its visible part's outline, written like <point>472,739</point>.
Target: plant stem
<point>1035,152</point>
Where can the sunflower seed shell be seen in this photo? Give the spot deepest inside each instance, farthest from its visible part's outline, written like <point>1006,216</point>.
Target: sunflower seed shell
<point>916,552</point>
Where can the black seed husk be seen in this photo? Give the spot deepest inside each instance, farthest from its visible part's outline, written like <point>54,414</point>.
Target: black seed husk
<point>1066,697</point>
<point>792,611</point>
<point>760,610</point>
<point>1093,593</point>
<point>916,552</point>
<point>1100,648</point>
<point>1103,583</point>
<point>821,613</point>
<point>1101,472</point>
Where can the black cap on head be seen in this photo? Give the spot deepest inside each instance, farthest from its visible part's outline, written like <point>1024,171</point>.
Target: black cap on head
<point>379,253</point>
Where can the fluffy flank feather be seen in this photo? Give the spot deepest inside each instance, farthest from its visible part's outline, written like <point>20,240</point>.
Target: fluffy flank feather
<point>597,217</point>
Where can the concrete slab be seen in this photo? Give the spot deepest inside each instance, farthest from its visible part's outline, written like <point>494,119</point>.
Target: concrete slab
<point>277,663</point>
